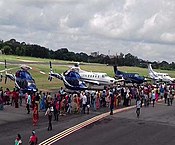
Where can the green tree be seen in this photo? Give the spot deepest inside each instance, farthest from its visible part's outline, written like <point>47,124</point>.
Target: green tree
<point>7,50</point>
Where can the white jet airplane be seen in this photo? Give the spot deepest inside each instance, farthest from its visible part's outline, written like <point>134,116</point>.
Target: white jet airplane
<point>76,74</point>
<point>159,76</point>
<point>97,78</point>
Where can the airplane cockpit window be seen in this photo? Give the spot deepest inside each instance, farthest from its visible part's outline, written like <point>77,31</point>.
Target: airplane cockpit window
<point>136,75</point>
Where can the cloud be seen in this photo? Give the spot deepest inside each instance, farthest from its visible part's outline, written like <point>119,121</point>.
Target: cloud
<point>168,37</point>
<point>142,27</point>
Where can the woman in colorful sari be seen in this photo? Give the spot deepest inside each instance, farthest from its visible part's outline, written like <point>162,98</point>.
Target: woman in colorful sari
<point>18,140</point>
<point>98,100</point>
<point>35,115</point>
<point>43,103</point>
<point>157,95</point>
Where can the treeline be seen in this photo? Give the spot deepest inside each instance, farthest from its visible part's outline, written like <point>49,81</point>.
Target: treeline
<point>13,47</point>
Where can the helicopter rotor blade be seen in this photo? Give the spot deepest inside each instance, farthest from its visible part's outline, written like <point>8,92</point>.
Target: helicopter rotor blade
<point>1,77</point>
<point>5,63</point>
<point>5,79</point>
<point>50,65</point>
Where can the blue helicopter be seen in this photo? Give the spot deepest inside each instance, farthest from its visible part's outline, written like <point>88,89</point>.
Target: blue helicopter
<point>22,78</point>
<point>71,79</point>
<point>133,78</point>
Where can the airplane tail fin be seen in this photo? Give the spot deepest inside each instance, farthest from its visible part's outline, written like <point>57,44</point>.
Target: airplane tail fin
<point>115,69</point>
<point>50,74</point>
<point>150,70</point>
<point>5,64</point>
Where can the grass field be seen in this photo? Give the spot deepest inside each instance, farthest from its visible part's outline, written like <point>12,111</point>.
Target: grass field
<point>42,80</point>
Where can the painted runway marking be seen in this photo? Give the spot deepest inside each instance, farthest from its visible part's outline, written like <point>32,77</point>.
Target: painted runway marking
<point>79,126</point>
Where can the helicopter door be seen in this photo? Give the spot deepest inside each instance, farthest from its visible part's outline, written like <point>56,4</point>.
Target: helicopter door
<point>22,83</point>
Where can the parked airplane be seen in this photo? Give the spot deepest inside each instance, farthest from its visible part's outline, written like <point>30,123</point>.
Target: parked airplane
<point>22,78</point>
<point>129,77</point>
<point>159,76</point>
<point>77,79</point>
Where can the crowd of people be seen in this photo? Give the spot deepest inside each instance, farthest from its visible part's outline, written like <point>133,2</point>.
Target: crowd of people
<point>62,103</point>
<point>81,102</point>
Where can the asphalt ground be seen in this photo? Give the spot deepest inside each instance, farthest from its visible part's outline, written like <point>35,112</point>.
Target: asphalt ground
<point>155,126</point>
<point>16,120</point>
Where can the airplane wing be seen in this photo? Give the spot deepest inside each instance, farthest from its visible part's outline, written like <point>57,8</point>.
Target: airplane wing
<point>173,79</point>
<point>91,82</point>
<point>119,80</point>
<point>147,79</point>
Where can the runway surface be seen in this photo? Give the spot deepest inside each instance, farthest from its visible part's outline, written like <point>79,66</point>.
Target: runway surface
<point>154,127</point>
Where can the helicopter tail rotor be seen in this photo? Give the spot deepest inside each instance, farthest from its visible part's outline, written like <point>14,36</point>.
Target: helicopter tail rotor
<point>8,75</point>
<point>5,64</point>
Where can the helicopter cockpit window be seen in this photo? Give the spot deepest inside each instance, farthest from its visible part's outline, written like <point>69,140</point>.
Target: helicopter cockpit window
<point>73,78</point>
<point>17,74</point>
<point>25,75</point>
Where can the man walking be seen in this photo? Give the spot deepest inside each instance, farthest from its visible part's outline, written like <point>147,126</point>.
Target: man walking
<point>49,114</point>
<point>138,106</point>
<point>29,100</point>
<point>84,101</point>
<point>111,102</point>
<point>153,97</point>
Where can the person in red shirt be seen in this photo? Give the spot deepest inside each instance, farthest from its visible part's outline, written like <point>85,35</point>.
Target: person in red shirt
<point>33,100</point>
<point>7,95</point>
<point>15,97</point>
<point>33,139</point>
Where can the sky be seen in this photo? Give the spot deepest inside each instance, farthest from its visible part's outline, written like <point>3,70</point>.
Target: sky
<point>144,28</point>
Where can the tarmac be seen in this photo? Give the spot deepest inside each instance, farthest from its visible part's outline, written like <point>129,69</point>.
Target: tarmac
<point>11,114</point>
<point>16,120</point>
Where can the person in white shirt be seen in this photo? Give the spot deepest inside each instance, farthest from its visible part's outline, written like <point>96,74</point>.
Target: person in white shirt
<point>138,106</point>
<point>153,97</point>
<point>29,101</point>
<point>84,101</point>
<point>49,114</point>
